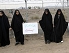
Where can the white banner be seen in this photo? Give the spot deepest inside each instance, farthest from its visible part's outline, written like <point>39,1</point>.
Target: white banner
<point>68,27</point>
<point>30,28</point>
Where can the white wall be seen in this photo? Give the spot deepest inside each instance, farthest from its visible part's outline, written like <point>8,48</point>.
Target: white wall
<point>8,4</point>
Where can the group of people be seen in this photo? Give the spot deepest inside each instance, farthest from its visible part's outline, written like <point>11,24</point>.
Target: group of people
<point>16,25</point>
<point>53,32</point>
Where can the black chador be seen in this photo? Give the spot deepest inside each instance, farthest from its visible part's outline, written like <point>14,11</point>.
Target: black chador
<point>4,29</point>
<point>46,25</point>
<point>16,25</point>
<point>60,26</point>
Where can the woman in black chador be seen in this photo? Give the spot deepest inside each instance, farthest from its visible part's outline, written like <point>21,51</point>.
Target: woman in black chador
<point>60,26</point>
<point>46,25</point>
<point>4,29</point>
<point>16,25</point>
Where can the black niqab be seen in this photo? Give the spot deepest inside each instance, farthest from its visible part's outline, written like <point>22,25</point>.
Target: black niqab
<point>16,25</point>
<point>4,30</point>
<point>60,26</point>
<point>17,22</point>
<point>46,24</point>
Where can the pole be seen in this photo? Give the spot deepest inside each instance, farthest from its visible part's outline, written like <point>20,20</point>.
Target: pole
<point>42,4</point>
<point>26,9</point>
<point>63,3</point>
<point>67,3</point>
<point>26,4</point>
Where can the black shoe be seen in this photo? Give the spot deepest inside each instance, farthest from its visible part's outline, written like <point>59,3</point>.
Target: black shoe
<point>45,42</point>
<point>17,43</point>
<point>22,43</point>
<point>48,41</point>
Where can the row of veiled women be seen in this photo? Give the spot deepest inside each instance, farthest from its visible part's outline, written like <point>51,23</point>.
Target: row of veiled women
<point>52,32</point>
<point>16,25</point>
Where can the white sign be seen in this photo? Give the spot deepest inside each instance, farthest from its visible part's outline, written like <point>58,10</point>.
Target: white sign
<point>30,28</point>
<point>68,27</point>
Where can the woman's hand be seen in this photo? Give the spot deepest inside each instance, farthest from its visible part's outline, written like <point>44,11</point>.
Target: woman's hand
<point>10,28</point>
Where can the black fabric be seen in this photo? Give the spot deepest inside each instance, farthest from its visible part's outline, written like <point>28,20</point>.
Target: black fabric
<point>4,30</point>
<point>19,37</point>
<point>46,24</point>
<point>60,26</point>
<point>16,25</point>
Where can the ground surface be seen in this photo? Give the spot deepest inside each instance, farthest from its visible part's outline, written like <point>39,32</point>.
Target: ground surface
<point>35,44</point>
